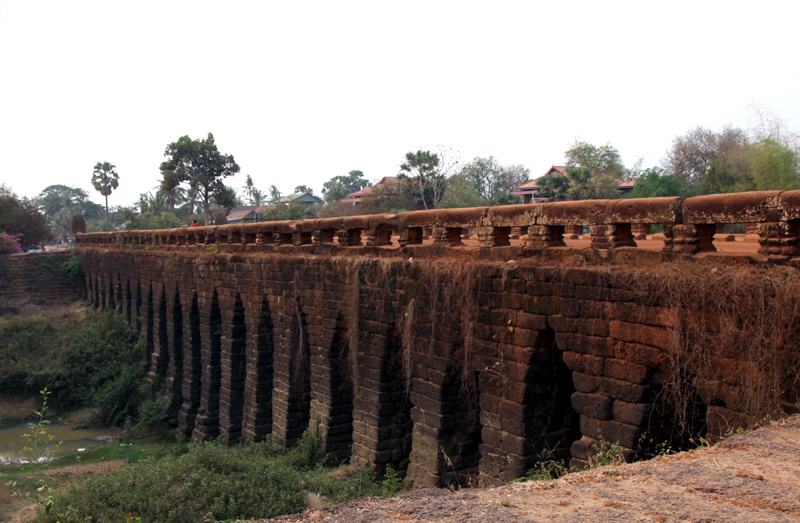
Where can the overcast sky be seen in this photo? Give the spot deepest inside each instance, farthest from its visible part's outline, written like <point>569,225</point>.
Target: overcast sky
<point>299,92</point>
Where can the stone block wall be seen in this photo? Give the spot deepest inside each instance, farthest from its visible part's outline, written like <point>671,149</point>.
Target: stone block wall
<point>441,368</point>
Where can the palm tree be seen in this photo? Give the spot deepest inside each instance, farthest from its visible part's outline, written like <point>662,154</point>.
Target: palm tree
<point>105,179</point>
<point>274,194</point>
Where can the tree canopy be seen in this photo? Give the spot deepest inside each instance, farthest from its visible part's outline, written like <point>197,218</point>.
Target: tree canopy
<point>731,160</point>
<point>421,171</point>
<point>604,159</point>
<point>59,203</point>
<point>199,164</point>
<point>493,181</point>
<point>21,216</point>
<point>338,187</point>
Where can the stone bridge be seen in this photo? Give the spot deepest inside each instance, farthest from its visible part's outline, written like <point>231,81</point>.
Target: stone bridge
<point>469,342</point>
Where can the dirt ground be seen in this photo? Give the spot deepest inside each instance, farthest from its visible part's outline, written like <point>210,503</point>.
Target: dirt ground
<point>751,477</point>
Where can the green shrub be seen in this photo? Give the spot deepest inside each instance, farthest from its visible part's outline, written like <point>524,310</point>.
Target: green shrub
<point>307,454</point>
<point>230,483</point>
<point>72,268</point>
<point>75,354</point>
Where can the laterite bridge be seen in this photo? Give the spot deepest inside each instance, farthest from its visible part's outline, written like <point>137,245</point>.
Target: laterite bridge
<point>462,342</point>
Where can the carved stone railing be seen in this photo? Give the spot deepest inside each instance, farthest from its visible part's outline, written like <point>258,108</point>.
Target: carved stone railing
<point>689,226</point>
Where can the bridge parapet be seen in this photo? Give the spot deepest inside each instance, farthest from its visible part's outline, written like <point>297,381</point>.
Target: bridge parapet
<point>689,226</point>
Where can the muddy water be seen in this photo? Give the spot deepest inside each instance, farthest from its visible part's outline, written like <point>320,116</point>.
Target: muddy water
<point>12,441</point>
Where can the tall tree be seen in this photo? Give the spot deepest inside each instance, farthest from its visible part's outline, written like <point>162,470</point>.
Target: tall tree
<point>254,195</point>
<point>338,187</point>
<point>654,182</point>
<point>274,194</point>
<point>554,186</point>
<point>21,216</point>
<point>54,198</point>
<point>494,181</point>
<point>772,165</point>
<point>105,179</point>
<point>700,152</point>
<point>421,170</point>
<point>200,164</point>
<point>598,160</point>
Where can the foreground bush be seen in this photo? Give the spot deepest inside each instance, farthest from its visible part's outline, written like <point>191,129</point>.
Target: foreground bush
<point>191,480</point>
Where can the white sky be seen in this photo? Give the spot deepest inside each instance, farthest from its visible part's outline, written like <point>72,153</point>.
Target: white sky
<point>299,92</point>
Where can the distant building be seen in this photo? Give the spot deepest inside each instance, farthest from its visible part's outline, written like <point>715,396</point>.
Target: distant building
<point>529,190</point>
<point>356,197</point>
<point>304,198</point>
<point>242,214</point>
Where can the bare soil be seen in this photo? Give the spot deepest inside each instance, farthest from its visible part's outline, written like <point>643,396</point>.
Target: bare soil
<point>750,477</point>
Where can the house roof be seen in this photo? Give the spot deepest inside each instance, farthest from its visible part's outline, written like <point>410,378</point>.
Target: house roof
<point>359,195</point>
<point>241,212</point>
<point>300,197</point>
<point>530,187</point>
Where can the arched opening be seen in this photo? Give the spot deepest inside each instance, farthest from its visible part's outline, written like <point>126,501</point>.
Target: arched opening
<point>259,379</point>
<point>192,371</point>
<point>162,357</point>
<point>552,424</point>
<point>148,339</point>
<point>175,371</point>
<point>137,311</point>
<point>300,378</point>
<point>112,291</point>
<point>461,435</point>
<point>338,440</point>
<point>236,367</point>
<point>128,301</point>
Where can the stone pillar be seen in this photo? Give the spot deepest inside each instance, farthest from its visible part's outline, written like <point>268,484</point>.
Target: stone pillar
<point>160,357</point>
<point>291,394</point>
<point>779,240</point>
<point>410,236</point>
<point>493,236</point>
<point>544,236</point>
<point>257,421</point>
<point>689,239</point>
<point>331,383</point>
<point>174,381</point>
<point>350,238</point>
<point>573,232</point>
<point>611,236</point>
<point>192,372</point>
<point>378,236</point>
<point>207,421</point>
<point>640,230</point>
<point>447,235</point>
<point>232,349</point>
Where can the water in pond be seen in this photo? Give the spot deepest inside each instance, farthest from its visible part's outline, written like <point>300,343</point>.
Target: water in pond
<point>12,442</point>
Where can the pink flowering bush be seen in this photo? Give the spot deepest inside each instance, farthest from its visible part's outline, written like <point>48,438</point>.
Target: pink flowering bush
<point>9,244</point>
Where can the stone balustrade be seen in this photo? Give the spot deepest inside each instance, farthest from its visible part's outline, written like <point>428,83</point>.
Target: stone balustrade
<point>689,225</point>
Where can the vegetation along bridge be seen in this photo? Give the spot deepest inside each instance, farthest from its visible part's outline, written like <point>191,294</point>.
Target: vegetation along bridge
<point>470,342</point>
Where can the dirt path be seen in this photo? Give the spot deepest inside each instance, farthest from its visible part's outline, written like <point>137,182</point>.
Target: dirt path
<point>752,477</point>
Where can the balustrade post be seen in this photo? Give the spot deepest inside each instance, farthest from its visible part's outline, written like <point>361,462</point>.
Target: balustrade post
<point>493,237</point>
<point>447,235</point>
<point>779,240</point>
<point>690,238</point>
<point>611,236</point>
<point>544,236</point>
